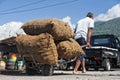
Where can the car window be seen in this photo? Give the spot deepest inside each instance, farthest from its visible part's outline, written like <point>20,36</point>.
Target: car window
<point>101,41</point>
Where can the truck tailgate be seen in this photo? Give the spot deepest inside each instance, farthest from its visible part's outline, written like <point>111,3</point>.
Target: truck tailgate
<point>97,51</point>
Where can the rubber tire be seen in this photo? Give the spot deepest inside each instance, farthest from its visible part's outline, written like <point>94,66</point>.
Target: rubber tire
<point>107,65</point>
<point>63,66</point>
<point>47,70</point>
<point>96,69</point>
<point>30,71</point>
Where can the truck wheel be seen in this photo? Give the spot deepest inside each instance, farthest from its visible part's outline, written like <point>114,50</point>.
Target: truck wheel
<point>107,65</point>
<point>47,70</point>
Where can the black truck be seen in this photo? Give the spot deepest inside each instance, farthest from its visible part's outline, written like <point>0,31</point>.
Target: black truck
<point>103,53</point>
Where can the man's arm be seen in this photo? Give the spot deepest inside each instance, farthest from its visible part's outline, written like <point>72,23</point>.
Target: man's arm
<point>89,36</point>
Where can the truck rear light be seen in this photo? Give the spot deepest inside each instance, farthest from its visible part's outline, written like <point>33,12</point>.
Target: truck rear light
<point>98,58</point>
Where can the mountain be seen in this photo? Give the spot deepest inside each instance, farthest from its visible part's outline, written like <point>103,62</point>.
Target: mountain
<point>108,27</point>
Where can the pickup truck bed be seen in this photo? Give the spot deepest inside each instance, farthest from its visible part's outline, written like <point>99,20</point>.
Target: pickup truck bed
<point>101,51</point>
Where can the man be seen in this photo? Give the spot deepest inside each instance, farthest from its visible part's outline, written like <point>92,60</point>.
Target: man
<point>83,32</point>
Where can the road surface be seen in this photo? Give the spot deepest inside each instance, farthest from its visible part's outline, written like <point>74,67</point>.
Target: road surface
<point>65,75</point>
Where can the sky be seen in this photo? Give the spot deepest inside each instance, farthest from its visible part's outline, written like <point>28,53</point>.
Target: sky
<point>14,13</point>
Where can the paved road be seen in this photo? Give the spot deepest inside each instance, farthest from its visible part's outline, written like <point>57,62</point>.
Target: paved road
<point>65,75</point>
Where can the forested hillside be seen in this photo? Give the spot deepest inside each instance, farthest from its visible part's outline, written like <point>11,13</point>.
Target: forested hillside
<point>108,27</point>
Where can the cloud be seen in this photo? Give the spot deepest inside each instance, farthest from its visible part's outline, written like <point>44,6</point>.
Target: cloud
<point>10,29</point>
<point>112,13</point>
<point>67,19</point>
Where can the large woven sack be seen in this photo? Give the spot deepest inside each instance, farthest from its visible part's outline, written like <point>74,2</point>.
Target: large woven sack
<point>40,48</point>
<point>57,28</point>
<point>69,49</point>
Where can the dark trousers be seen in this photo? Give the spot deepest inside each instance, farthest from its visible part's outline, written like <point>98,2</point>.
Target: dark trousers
<point>81,41</point>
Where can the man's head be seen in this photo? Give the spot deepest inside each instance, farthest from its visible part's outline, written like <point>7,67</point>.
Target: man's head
<point>90,15</point>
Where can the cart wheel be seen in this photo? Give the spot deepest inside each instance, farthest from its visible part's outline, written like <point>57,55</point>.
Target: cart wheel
<point>63,65</point>
<point>47,70</point>
<point>107,65</point>
<point>30,70</point>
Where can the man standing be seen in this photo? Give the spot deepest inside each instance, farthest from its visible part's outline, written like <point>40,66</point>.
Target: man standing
<point>83,32</point>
